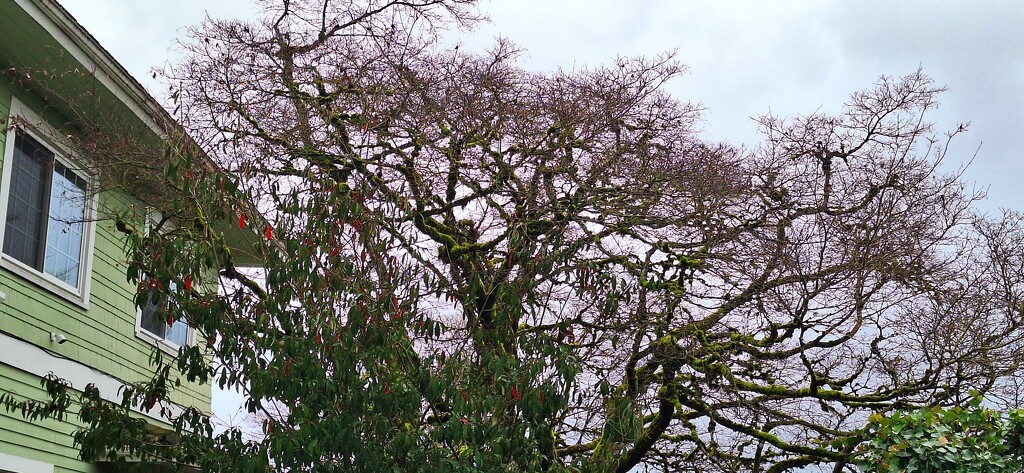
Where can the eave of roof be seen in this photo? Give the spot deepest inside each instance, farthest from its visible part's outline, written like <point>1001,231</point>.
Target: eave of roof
<point>72,37</point>
<point>88,51</point>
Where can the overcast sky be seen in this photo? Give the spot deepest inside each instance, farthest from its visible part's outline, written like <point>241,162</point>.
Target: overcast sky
<point>745,58</point>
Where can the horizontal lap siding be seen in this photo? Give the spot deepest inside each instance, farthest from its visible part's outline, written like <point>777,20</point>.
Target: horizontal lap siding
<point>48,441</point>
<point>103,336</point>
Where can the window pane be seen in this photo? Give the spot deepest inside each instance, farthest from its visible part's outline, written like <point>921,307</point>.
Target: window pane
<point>65,226</point>
<point>177,333</point>
<point>27,200</point>
<point>151,320</point>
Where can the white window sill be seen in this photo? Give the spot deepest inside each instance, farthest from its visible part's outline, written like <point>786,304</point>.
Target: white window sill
<point>165,346</point>
<point>49,283</point>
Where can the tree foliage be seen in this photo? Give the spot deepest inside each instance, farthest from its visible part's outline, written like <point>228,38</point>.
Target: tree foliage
<point>961,440</point>
<point>473,267</point>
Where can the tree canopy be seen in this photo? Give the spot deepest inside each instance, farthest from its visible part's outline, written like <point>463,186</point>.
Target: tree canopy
<point>469,266</point>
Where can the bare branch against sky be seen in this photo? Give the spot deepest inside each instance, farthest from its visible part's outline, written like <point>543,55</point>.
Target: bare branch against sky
<point>745,58</point>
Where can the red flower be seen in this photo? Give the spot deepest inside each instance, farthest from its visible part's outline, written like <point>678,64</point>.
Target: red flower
<point>515,393</point>
<point>188,282</point>
<point>270,232</point>
<point>241,221</point>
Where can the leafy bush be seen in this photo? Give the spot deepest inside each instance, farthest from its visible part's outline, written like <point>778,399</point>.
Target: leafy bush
<point>933,439</point>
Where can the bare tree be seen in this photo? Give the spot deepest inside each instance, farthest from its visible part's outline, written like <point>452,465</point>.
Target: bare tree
<point>581,281</point>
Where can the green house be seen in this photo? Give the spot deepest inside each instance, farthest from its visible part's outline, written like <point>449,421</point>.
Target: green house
<point>65,305</point>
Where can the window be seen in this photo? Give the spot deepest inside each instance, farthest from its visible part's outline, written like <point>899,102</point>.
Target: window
<point>46,213</point>
<point>153,321</point>
<point>45,222</point>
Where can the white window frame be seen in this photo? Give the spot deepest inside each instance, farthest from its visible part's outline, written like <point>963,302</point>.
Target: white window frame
<point>162,343</point>
<point>165,345</point>
<point>45,135</point>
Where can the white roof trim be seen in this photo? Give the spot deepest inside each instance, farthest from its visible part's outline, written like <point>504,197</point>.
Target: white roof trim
<point>16,464</point>
<point>38,361</point>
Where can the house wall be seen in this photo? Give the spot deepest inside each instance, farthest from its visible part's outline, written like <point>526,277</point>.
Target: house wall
<point>48,441</point>
<point>101,337</point>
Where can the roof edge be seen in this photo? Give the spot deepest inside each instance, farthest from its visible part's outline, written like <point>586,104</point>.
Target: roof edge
<point>107,70</point>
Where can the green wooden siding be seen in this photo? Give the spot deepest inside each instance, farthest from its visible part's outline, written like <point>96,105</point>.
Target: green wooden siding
<point>102,336</point>
<point>47,441</point>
